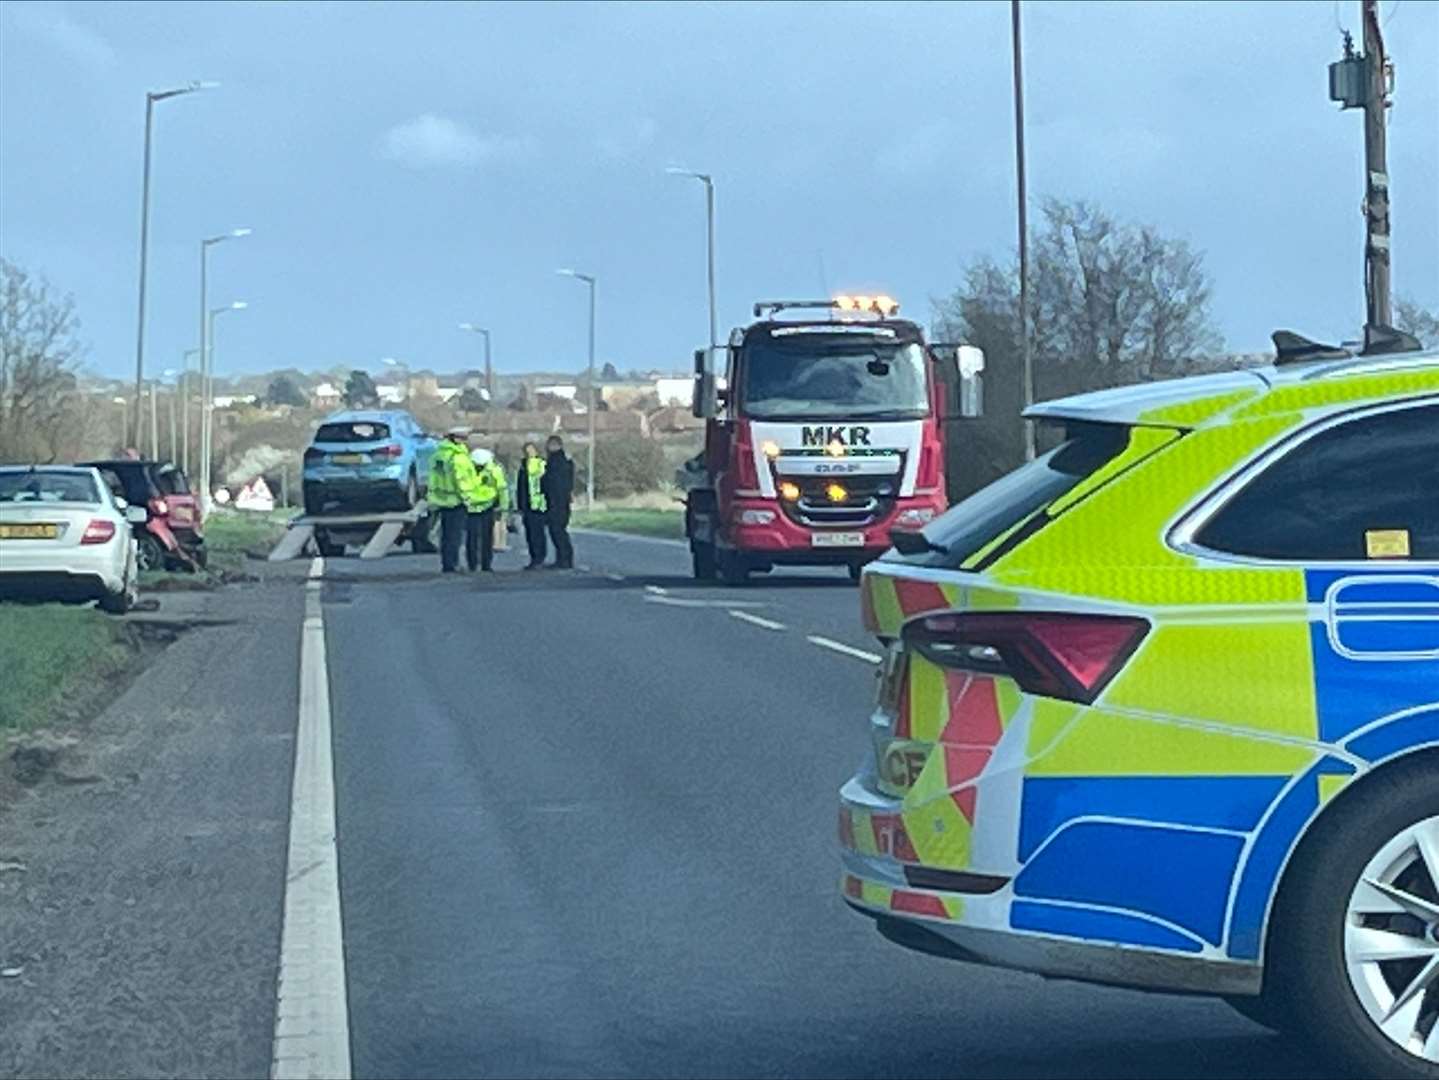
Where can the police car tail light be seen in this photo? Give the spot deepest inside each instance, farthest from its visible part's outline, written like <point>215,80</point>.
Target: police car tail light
<point>388,450</point>
<point>1052,654</point>
<point>746,475</point>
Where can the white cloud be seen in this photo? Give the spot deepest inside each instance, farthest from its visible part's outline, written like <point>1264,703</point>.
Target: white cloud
<point>81,44</point>
<point>429,141</point>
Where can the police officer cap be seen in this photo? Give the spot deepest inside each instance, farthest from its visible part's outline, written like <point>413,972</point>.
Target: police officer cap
<point>459,431</point>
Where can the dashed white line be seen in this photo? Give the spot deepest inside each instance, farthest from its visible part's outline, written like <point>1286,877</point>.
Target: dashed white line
<point>841,647</point>
<point>656,590</point>
<point>312,1026</point>
<point>615,577</point>
<point>756,620</point>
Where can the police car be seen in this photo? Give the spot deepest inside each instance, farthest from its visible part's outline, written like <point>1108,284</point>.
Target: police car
<point>1161,708</point>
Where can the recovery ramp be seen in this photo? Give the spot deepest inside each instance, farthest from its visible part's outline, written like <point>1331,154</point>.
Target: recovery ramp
<point>377,531</point>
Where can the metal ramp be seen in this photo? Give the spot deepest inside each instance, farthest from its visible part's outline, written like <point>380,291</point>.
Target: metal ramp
<point>379,532</point>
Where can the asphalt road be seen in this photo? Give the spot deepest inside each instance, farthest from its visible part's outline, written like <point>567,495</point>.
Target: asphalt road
<point>586,828</point>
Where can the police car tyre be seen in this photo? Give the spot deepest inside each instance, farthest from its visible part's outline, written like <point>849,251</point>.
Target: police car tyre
<point>149,553</point>
<point>412,491</point>
<point>1355,951</point>
<point>1269,1010</point>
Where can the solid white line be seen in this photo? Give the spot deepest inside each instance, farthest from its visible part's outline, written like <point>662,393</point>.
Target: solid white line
<point>615,577</point>
<point>841,647</point>
<point>656,590</point>
<point>312,1025</point>
<point>756,620</point>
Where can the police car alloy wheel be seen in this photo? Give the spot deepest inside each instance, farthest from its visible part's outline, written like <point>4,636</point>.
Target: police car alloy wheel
<point>1391,939</point>
<point>1354,937</point>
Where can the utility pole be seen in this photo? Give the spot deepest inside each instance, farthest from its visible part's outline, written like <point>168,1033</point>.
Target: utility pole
<point>1026,359</point>
<point>1376,177</point>
<point>1364,82</point>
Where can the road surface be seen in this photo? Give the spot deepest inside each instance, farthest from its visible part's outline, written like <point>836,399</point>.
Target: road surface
<point>586,828</point>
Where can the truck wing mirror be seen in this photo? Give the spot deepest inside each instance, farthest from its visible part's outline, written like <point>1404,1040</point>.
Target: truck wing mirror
<point>706,391</point>
<point>970,359</point>
<point>965,365</point>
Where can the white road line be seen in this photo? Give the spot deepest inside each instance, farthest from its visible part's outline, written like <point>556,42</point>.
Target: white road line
<point>685,602</point>
<point>312,1024</point>
<point>615,577</point>
<point>655,590</point>
<point>847,650</point>
<point>756,620</point>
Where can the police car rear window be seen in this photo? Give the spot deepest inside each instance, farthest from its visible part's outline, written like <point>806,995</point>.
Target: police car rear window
<point>352,431</point>
<point>969,526</point>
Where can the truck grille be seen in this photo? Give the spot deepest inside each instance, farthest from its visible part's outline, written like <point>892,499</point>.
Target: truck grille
<point>869,499</point>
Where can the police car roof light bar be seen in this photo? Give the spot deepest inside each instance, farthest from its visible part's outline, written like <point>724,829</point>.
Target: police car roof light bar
<point>774,307</point>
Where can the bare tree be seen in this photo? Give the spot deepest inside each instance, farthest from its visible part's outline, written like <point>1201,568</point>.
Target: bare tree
<point>1411,317</point>
<point>1110,303</point>
<point>39,352</point>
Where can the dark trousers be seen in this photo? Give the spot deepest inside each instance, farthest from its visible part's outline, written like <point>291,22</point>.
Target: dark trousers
<point>452,532</point>
<point>557,519</point>
<point>480,539</point>
<point>535,536</point>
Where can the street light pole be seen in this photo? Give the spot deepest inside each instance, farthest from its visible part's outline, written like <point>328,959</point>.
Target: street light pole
<point>708,182</point>
<point>1026,357</point>
<point>154,421</point>
<point>151,97</point>
<point>207,401</point>
<point>489,367</point>
<point>205,327</point>
<point>171,373</point>
<point>590,280</point>
<point>184,388</point>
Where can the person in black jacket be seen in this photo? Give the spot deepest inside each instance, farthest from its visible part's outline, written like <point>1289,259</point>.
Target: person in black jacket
<point>558,484</point>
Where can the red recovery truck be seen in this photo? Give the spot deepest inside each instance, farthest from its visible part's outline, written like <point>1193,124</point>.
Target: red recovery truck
<point>822,434</point>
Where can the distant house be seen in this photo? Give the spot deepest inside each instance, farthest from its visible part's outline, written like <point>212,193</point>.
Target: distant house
<point>325,396</point>
<point>229,401</point>
<point>390,394</point>
<point>568,391</point>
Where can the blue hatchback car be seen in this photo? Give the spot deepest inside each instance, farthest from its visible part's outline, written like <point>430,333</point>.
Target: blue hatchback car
<point>367,459</point>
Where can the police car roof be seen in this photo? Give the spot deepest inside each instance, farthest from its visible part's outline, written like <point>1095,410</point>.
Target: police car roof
<point>1190,402</point>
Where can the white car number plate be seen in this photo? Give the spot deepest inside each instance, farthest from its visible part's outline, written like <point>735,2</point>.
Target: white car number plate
<point>837,539</point>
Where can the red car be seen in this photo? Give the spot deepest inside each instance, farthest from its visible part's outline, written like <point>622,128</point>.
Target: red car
<point>172,537</point>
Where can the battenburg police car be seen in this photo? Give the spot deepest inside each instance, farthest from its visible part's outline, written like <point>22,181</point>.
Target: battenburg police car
<point>1161,708</point>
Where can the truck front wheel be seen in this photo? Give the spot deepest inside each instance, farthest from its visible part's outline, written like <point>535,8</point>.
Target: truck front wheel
<point>702,561</point>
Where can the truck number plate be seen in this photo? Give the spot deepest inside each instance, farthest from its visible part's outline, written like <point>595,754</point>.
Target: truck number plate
<point>837,539</point>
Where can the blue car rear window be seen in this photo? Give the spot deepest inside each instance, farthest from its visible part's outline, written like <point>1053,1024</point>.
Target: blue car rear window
<point>352,431</point>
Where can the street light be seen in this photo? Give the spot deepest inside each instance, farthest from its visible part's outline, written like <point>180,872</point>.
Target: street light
<point>170,373</point>
<point>206,390</point>
<point>489,367</point>
<point>184,387</point>
<point>708,181</point>
<point>589,280</point>
<point>207,403</point>
<point>392,362</point>
<point>151,97</point>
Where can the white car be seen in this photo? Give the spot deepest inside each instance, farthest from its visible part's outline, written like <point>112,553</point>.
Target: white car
<point>65,536</point>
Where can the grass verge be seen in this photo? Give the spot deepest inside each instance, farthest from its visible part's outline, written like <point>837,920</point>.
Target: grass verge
<point>57,660</point>
<point>233,537</point>
<point>668,524</point>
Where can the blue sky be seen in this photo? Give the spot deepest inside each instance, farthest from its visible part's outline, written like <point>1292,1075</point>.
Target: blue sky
<point>409,166</point>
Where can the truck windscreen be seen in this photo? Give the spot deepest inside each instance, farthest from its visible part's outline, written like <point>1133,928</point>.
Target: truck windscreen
<point>801,379</point>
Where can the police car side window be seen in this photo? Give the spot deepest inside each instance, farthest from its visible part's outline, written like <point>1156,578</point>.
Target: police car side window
<point>1364,490</point>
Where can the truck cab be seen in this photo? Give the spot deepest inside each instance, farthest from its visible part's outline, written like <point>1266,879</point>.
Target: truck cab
<point>823,433</point>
